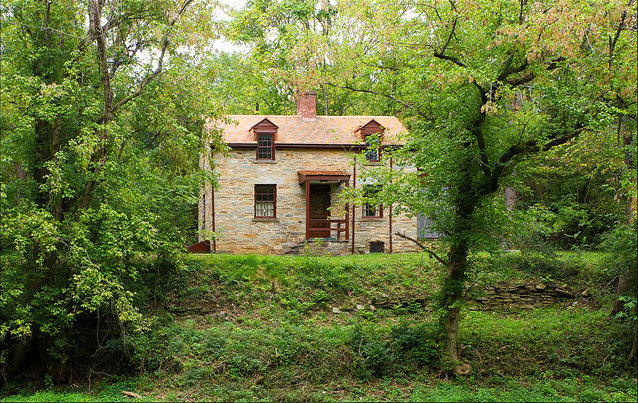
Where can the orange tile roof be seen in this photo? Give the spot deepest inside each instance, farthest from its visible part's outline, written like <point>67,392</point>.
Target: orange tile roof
<point>323,130</point>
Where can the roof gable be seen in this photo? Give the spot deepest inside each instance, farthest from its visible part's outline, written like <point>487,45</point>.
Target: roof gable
<point>265,126</point>
<point>370,128</point>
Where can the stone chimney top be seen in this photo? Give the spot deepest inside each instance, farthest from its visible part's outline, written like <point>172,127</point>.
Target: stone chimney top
<point>307,106</point>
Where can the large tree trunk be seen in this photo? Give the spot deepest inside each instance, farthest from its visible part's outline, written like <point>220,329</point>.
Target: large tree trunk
<point>626,139</point>
<point>452,293</point>
<point>454,283</point>
<point>451,296</point>
<point>621,289</point>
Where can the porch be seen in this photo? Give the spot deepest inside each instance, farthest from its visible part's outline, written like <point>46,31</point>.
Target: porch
<point>319,193</point>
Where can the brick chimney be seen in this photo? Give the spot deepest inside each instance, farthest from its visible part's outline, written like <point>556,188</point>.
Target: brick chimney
<point>307,106</point>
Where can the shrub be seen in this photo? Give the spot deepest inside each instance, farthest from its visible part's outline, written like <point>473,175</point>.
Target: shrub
<point>417,344</point>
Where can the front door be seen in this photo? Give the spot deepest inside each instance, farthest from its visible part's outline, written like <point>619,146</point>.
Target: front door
<point>319,204</point>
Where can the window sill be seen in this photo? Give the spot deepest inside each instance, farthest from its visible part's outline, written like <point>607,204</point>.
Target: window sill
<point>371,218</point>
<point>273,219</point>
<point>264,162</point>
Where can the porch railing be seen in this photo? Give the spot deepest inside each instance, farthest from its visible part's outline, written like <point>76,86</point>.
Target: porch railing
<point>318,227</point>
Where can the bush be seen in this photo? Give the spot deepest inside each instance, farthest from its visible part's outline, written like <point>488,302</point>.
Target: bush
<point>417,344</point>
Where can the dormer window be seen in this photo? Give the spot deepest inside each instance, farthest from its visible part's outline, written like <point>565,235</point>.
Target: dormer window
<point>265,147</point>
<point>264,132</point>
<point>372,134</point>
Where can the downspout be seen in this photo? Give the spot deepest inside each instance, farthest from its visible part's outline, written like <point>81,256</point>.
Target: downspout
<point>354,206</point>
<point>389,212</point>
<point>212,199</point>
<point>212,202</point>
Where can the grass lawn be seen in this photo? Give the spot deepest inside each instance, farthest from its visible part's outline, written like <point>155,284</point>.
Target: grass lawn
<point>247,328</point>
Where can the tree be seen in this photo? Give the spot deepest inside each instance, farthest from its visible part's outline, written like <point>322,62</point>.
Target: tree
<point>296,45</point>
<point>485,85</point>
<point>102,106</point>
<point>482,87</point>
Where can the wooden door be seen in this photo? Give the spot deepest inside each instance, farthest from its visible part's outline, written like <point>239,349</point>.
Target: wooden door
<point>319,204</point>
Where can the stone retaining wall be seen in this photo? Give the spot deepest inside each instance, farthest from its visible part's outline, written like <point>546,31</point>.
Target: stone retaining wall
<point>495,298</point>
<point>527,296</point>
<point>491,298</point>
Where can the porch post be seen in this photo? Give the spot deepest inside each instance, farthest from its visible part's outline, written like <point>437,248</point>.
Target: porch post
<point>347,213</point>
<point>307,209</point>
<point>354,207</point>
<point>390,218</point>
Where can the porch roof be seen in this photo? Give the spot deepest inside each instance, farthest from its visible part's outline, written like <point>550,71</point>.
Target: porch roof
<point>323,176</point>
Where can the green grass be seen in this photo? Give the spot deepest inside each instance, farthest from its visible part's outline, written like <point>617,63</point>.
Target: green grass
<point>112,394</point>
<point>262,328</point>
<point>413,388</point>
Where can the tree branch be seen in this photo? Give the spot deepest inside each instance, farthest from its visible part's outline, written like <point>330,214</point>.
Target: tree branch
<point>521,20</point>
<point>449,38</point>
<point>525,78</point>
<point>407,105</point>
<point>612,42</point>
<point>424,248</point>
<point>480,141</point>
<point>531,146</point>
<point>449,58</point>
<point>165,42</point>
<point>509,70</point>
<point>441,54</point>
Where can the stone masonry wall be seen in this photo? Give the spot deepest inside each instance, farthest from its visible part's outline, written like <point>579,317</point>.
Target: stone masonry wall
<point>495,298</point>
<point>526,296</point>
<point>234,204</point>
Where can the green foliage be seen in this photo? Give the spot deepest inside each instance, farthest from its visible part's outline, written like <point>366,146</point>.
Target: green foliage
<point>572,201</point>
<point>525,390</point>
<point>373,354</point>
<point>101,139</point>
<point>248,344</point>
<point>418,344</point>
<point>564,342</point>
<point>541,265</point>
<point>621,243</point>
<point>622,261</point>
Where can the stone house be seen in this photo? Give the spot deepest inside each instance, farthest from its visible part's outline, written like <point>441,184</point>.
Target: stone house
<point>280,185</point>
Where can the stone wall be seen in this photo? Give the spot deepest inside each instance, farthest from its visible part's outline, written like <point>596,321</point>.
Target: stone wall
<point>493,298</point>
<point>318,247</point>
<point>527,296</point>
<point>233,211</point>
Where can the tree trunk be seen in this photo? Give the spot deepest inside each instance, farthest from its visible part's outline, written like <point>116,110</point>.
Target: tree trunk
<point>325,99</point>
<point>454,283</point>
<point>621,289</point>
<point>452,294</point>
<point>632,353</point>
<point>510,198</point>
<point>632,204</point>
<point>622,286</point>
<point>96,31</point>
